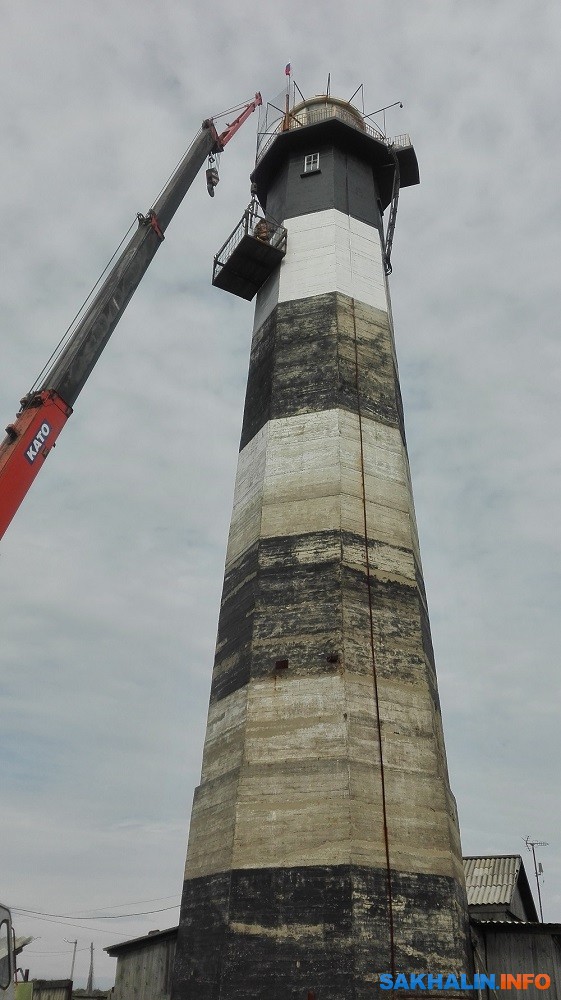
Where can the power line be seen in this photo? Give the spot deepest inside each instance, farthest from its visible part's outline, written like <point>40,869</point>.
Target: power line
<point>133,902</point>
<point>111,906</point>
<point>65,923</point>
<point>99,916</point>
<point>28,951</point>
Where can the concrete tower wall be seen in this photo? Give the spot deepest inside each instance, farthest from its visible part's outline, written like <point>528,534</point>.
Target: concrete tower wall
<point>324,713</point>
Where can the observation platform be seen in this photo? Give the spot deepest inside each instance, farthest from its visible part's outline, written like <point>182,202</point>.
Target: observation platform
<point>325,120</point>
<point>250,255</point>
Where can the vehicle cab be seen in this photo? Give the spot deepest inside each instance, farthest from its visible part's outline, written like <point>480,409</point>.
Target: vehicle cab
<point>7,957</point>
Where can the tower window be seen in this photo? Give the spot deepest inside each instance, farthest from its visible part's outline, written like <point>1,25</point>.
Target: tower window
<point>311,163</point>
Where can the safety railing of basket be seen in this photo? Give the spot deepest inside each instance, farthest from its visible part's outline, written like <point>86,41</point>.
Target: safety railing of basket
<point>251,224</point>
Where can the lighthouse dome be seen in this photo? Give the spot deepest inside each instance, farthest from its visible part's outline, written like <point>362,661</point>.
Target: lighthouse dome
<point>323,106</point>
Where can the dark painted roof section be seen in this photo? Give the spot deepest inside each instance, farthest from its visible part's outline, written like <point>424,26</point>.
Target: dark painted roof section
<point>333,130</point>
<point>516,926</point>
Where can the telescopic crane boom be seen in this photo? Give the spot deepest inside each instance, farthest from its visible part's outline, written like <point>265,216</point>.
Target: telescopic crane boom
<point>45,410</point>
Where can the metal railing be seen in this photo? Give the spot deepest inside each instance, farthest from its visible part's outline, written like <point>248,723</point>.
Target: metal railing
<point>261,228</point>
<point>313,117</point>
<point>399,140</point>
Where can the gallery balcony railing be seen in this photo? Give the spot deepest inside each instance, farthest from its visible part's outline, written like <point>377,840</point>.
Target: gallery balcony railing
<point>312,116</point>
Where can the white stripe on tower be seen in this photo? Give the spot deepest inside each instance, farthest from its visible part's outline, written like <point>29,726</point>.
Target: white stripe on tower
<point>328,252</point>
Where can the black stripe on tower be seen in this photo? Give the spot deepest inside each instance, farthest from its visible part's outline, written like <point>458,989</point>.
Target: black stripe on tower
<point>276,933</point>
<point>285,599</point>
<point>344,182</point>
<point>303,361</point>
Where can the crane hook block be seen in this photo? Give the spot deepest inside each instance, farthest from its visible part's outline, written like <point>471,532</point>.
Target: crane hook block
<point>212,179</point>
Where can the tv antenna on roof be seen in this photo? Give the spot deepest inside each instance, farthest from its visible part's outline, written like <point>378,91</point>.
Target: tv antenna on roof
<point>538,870</point>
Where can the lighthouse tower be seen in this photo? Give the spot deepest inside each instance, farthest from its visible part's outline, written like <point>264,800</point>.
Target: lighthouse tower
<point>324,846</point>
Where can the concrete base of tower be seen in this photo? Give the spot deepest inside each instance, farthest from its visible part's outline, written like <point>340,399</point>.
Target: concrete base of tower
<point>278,933</point>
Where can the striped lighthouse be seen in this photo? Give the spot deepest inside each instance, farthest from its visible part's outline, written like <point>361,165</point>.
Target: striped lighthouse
<point>324,845</point>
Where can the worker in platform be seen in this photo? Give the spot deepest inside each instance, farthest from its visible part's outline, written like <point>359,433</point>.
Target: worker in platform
<point>261,231</point>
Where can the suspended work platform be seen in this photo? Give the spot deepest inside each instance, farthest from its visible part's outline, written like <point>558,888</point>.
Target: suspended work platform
<point>250,254</point>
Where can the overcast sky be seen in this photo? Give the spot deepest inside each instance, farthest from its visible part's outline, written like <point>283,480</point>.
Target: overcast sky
<point>111,573</point>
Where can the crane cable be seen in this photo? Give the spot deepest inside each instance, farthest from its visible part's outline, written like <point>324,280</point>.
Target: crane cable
<point>55,355</point>
<point>67,333</point>
<point>389,892</point>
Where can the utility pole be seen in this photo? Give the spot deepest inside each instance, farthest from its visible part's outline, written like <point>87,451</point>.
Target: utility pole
<point>75,943</point>
<point>538,870</point>
<point>89,987</point>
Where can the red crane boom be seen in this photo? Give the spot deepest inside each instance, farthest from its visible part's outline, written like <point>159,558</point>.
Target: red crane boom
<point>46,408</point>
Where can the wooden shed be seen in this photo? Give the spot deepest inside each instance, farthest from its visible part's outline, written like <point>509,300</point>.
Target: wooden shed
<point>144,966</point>
<point>44,989</point>
<point>506,933</point>
<point>517,948</point>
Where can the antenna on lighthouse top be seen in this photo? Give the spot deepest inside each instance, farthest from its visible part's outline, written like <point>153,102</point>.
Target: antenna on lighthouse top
<point>361,88</point>
<point>286,122</point>
<point>396,104</point>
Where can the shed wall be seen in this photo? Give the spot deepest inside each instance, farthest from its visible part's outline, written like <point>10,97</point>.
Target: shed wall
<point>145,973</point>
<point>509,952</point>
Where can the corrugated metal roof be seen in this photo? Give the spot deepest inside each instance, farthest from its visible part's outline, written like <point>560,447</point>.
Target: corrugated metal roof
<point>491,880</point>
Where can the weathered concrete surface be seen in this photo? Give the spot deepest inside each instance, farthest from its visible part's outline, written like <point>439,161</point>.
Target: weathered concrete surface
<point>279,932</point>
<point>291,768</point>
<point>287,871</point>
<point>303,361</point>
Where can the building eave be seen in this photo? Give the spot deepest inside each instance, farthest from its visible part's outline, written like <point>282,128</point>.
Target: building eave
<point>139,942</point>
<point>516,927</point>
